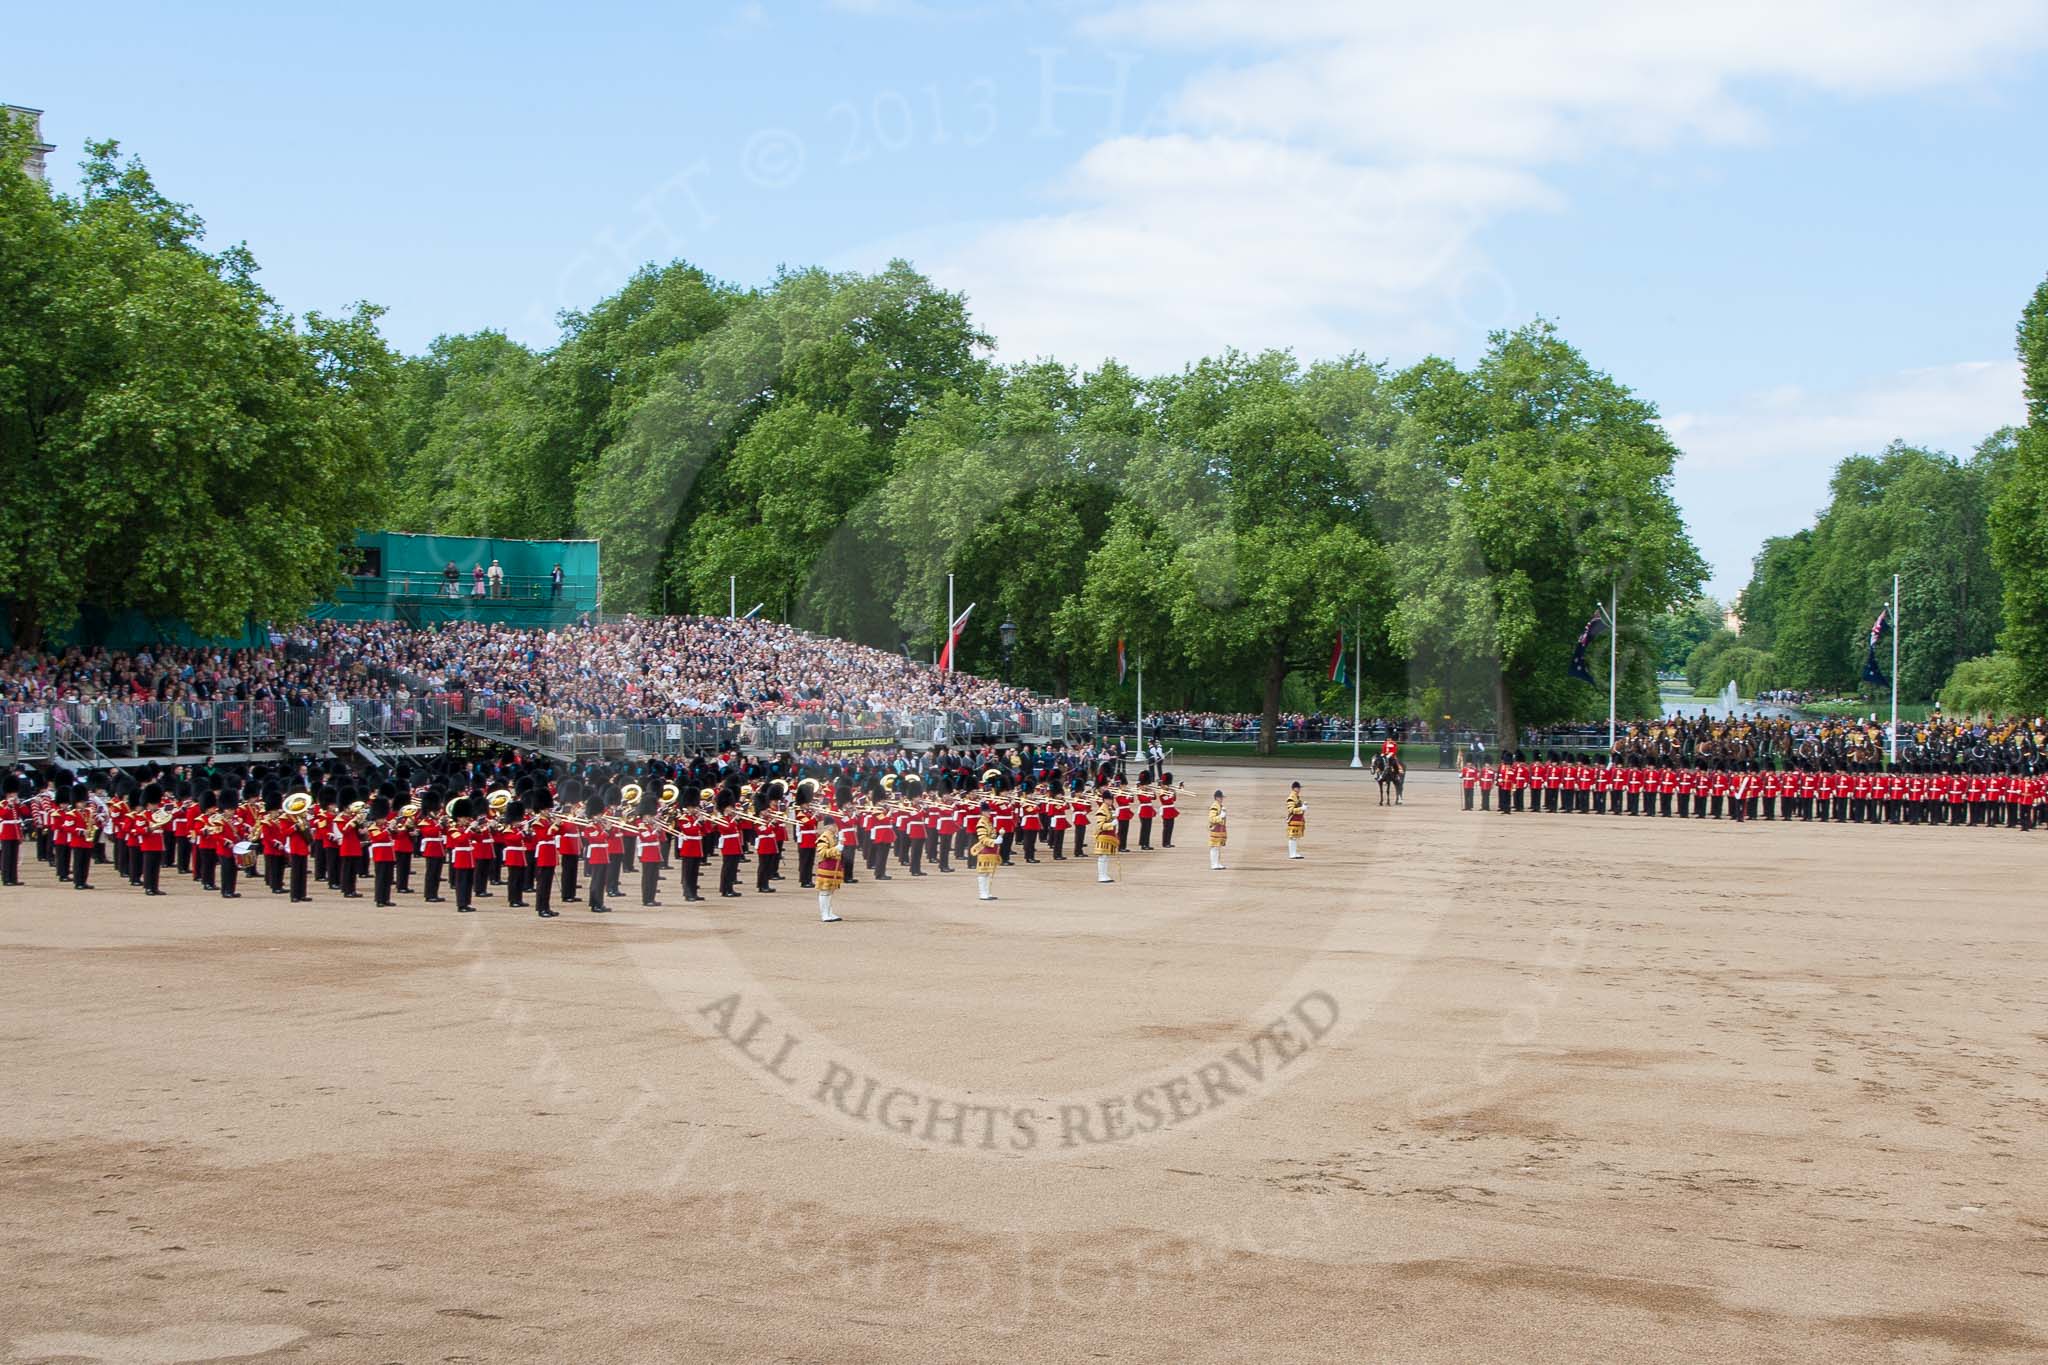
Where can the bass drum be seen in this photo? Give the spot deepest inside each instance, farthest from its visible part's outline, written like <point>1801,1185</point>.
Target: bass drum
<point>245,854</point>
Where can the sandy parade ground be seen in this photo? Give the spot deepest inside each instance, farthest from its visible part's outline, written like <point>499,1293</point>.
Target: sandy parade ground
<point>1453,1088</point>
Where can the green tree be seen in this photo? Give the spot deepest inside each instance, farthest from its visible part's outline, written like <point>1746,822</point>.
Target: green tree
<point>1980,685</point>
<point>474,434</point>
<point>1699,665</point>
<point>1675,633</point>
<point>195,452</point>
<point>2019,522</point>
<point>1916,513</point>
<point>1514,497</point>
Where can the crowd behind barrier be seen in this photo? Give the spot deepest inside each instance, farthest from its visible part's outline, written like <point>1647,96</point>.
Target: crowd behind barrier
<point>625,686</point>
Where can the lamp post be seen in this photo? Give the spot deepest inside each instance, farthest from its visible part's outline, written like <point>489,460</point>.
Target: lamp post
<point>1008,631</point>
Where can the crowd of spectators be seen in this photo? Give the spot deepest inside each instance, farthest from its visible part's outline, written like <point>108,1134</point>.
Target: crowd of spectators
<point>637,669</point>
<point>1295,726</point>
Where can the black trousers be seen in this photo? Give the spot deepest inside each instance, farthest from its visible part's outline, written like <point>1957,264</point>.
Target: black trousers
<point>1166,831</point>
<point>618,870</point>
<point>10,863</point>
<point>184,854</point>
<point>230,873</point>
<point>1057,841</point>
<point>1010,841</point>
<point>299,877</point>
<point>433,886</point>
<point>806,861</point>
<point>1123,836</point>
<point>1080,841</point>
<point>81,866</point>
<point>152,870</point>
<point>348,877</point>
<point>568,878</point>
<point>381,878</point>
<point>1030,837</point>
<point>515,885</point>
<point>273,873</point>
<point>693,868</point>
<point>405,873</point>
<point>480,884</point>
<point>543,888</point>
<point>650,881</point>
<point>464,879</point>
<point>1144,831</point>
<point>63,862</point>
<point>203,863</point>
<point>600,882</point>
<point>728,874</point>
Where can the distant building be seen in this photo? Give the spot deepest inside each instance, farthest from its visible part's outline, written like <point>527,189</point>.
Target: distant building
<point>37,166</point>
<point>1731,620</point>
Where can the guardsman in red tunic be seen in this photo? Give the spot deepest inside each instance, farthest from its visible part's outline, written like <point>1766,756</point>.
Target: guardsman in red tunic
<point>807,832</point>
<point>462,855</point>
<point>690,850</point>
<point>732,842</point>
<point>569,836</point>
<point>544,839</point>
<point>510,841</point>
<point>597,849</point>
<point>644,839</point>
<point>1169,810</point>
<point>12,811</point>
<point>383,851</point>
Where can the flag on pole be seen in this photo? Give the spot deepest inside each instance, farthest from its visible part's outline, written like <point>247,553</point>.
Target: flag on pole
<point>1122,664</point>
<point>753,611</point>
<point>1595,628</point>
<point>1337,671</point>
<point>1871,672</point>
<point>953,638</point>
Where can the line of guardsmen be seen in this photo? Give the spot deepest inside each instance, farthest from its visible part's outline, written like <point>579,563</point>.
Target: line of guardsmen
<point>2008,796</point>
<point>533,836</point>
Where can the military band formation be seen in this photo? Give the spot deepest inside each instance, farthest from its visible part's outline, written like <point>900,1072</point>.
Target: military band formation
<point>463,834</point>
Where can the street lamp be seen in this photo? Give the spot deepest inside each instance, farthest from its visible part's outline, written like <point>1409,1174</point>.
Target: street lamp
<point>1008,631</point>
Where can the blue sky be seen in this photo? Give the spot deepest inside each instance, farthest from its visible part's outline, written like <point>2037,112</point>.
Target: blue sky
<point>1802,228</point>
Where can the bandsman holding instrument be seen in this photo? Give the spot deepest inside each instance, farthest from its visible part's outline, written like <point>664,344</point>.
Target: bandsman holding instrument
<point>826,871</point>
<point>1297,820</point>
<point>988,852</point>
<point>1219,831</point>
<point>1108,842</point>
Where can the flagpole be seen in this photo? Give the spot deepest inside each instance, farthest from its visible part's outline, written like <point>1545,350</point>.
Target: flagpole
<point>1895,670</point>
<point>949,621</point>
<point>1357,686</point>
<point>1613,652</point>
<point>732,596</point>
<point>1141,708</point>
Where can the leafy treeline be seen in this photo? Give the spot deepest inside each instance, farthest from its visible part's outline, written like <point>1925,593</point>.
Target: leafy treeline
<point>1969,541</point>
<point>170,440</point>
<point>837,444</point>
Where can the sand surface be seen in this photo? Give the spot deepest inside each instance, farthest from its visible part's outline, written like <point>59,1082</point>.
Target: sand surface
<point>1453,1088</point>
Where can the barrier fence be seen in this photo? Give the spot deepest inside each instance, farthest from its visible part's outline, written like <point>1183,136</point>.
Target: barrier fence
<point>90,734</point>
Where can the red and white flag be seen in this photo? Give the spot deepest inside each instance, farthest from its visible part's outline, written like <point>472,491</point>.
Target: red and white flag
<point>953,638</point>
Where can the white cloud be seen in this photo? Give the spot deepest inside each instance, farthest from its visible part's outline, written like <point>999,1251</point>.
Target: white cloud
<point>1761,467</point>
<point>1326,174</point>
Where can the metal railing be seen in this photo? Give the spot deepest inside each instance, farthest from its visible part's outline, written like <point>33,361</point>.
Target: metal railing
<point>414,586</point>
<point>96,734</point>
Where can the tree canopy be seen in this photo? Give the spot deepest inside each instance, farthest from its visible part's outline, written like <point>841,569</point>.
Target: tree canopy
<point>194,452</point>
<point>2019,520</point>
